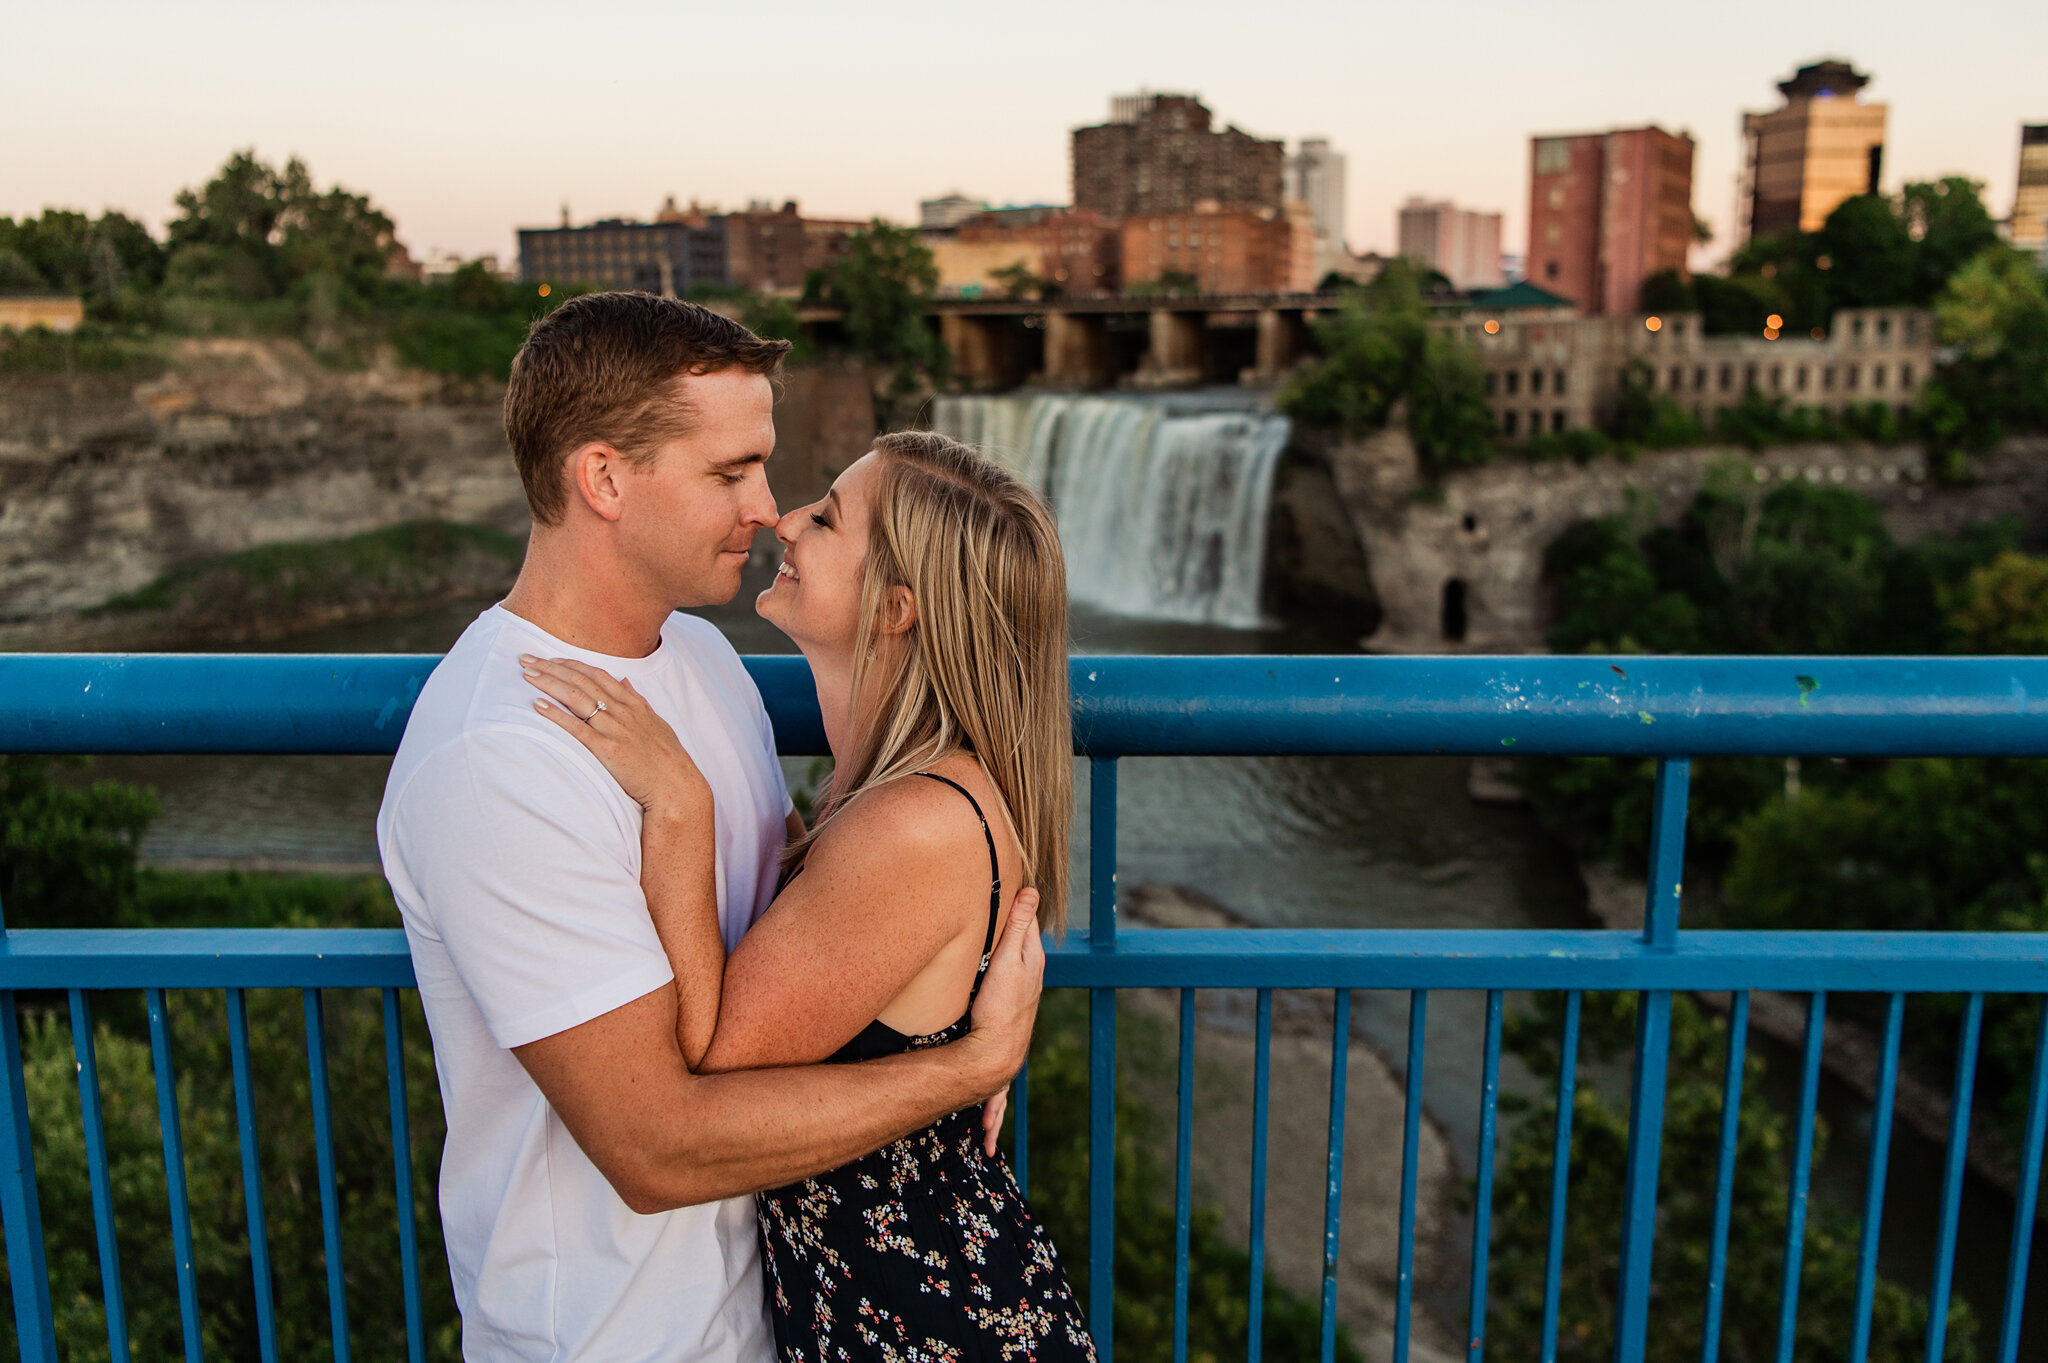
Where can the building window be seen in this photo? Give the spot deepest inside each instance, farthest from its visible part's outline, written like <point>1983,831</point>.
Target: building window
<point>1550,269</point>
<point>1905,376</point>
<point>1827,378</point>
<point>1884,328</point>
<point>1727,377</point>
<point>1507,423</point>
<point>1799,379</point>
<point>1748,377</point>
<point>1699,379</point>
<point>1877,376</point>
<point>1514,381</point>
<point>1677,378</point>
<point>1856,330</point>
<point>1492,383</point>
<point>1855,375</point>
<point>1557,383</point>
<point>1557,422</point>
<point>1777,378</point>
<point>1535,382</point>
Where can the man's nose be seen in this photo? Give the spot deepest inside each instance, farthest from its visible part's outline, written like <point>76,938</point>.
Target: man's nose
<point>761,508</point>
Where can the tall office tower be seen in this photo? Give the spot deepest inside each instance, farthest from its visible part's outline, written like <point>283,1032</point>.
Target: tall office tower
<point>1461,245</point>
<point>1606,211</point>
<point>2030,204</point>
<point>1157,154</point>
<point>1823,145</point>
<point>1315,176</point>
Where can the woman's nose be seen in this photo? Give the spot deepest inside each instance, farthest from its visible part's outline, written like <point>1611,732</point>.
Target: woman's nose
<point>786,528</point>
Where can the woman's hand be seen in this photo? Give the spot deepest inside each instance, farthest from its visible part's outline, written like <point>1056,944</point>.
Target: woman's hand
<point>606,715</point>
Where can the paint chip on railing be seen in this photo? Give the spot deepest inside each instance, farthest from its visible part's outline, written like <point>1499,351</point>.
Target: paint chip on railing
<point>1807,686</point>
<point>1646,717</point>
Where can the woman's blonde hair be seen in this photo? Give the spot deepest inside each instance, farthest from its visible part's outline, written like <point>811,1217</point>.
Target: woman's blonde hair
<point>985,666</point>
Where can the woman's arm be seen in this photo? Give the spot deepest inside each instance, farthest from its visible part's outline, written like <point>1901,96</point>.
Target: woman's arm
<point>678,828</point>
<point>897,885</point>
<point>901,877</point>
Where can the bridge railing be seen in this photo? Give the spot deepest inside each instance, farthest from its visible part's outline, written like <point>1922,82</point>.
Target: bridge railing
<point>1670,709</point>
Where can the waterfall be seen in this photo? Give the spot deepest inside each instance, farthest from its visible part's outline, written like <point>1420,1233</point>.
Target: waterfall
<point>1161,501</point>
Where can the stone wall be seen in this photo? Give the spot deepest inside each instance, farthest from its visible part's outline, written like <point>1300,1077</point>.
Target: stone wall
<point>1473,544</point>
<point>106,483</point>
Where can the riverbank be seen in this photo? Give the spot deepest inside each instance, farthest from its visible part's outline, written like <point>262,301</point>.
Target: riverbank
<point>1297,1136</point>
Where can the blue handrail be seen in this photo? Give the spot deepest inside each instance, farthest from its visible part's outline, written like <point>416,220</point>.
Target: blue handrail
<point>1670,709</point>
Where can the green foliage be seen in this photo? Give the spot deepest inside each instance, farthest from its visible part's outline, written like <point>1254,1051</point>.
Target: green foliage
<point>67,859</point>
<point>92,348</point>
<point>2003,607</point>
<point>67,853</point>
<point>67,252</point>
<point>883,282</point>
<point>1219,1275</point>
<point>1020,281</point>
<point>1378,351</point>
<point>1643,417</point>
<point>1685,1202</point>
<point>1996,308</point>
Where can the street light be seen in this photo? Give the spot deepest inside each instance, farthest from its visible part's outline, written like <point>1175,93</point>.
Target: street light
<point>1653,323</point>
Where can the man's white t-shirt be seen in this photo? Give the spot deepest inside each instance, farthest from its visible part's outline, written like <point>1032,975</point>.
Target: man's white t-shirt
<point>515,860</point>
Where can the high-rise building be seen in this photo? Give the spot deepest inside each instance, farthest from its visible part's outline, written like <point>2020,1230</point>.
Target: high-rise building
<point>1315,176</point>
<point>1606,211</point>
<point>1458,243</point>
<point>1158,154</point>
<point>2029,225</point>
<point>1823,145</point>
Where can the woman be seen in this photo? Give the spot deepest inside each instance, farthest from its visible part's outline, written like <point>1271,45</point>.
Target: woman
<point>928,593</point>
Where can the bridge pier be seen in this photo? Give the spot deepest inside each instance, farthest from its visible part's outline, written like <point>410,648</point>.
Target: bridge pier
<point>1076,350</point>
<point>988,351</point>
<point>1177,358</point>
<point>1283,339</point>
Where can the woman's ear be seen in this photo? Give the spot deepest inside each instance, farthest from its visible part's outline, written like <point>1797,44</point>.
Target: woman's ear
<point>899,613</point>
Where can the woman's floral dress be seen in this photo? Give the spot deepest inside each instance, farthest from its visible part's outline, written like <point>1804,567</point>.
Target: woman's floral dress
<point>922,1252</point>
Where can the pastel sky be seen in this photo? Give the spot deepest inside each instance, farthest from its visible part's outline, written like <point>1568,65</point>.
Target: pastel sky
<point>465,120</point>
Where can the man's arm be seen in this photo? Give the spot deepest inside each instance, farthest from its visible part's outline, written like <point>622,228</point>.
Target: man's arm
<point>667,1138</point>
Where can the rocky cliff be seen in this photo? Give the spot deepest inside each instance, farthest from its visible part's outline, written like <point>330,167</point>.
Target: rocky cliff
<point>106,482</point>
<point>1457,566</point>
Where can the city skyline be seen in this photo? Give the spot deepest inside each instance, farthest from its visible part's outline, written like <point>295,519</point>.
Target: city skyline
<point>466,123</point>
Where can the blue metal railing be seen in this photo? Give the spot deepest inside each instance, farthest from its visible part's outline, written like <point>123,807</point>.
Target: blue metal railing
<point>1671,709</point>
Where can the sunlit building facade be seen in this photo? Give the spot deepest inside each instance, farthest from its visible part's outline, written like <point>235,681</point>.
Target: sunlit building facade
<point>1823,145</point>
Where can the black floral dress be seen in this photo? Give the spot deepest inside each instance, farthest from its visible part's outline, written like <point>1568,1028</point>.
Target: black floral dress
<point>922,1252</point>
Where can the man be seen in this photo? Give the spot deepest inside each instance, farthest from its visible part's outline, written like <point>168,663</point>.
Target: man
<point>592,1188</point>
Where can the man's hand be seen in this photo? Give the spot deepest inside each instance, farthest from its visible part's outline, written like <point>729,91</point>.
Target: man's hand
<point>992,1119</point>
<point>1007,1005</point>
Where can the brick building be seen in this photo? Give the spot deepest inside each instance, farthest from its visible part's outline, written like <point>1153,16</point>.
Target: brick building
<point>1079,253</point>
<point>1606,211</point>
<point>1800,160</point>
<point>668,258</point>
<point>1158,154</point>
<point>1224,251</point>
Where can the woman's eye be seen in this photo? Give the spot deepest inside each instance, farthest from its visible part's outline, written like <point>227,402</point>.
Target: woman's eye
<point>816,519</point>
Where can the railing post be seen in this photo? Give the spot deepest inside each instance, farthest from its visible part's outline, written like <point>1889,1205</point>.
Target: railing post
<point>21,1210</point>
<point>1653,1045</point>
<point>1102,1059</point>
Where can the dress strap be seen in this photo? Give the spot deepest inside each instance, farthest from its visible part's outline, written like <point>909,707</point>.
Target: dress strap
<point>995,876</point>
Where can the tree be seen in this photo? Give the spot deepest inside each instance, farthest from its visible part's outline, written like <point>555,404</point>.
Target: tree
<point>1996,309</point>
<point>883,283</point>
<point>1019,281</point>
<point>2003,608</point>
<point>1685,1210</point>
<point>1447,411</point>
<point>1950,226</point>
<point>254,231</point>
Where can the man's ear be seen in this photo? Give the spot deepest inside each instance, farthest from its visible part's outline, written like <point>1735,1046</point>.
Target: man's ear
<point>596,473</point>
<point>899,613</point>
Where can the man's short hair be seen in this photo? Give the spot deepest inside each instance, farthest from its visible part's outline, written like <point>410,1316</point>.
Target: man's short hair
<point>603,367</point>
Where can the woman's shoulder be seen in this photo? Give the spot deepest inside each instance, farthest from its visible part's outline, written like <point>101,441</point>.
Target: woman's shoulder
<point>914,818</point>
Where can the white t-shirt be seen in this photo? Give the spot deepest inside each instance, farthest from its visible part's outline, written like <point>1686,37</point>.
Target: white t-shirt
<point>515,859</point>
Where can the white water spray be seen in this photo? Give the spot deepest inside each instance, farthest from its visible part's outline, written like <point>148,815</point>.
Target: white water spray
<point>1162,502</point>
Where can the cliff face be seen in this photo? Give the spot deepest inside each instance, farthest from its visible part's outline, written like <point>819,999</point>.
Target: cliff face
<point>107,483</point>
<point>1459,567</point>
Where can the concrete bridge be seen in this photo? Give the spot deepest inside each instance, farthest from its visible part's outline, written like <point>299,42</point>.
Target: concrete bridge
<point>1164,342</point>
